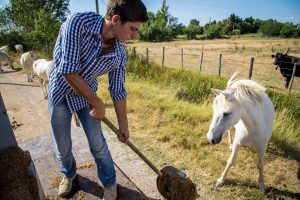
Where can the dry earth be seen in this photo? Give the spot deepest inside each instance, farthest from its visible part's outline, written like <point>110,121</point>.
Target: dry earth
<point>27,110</point>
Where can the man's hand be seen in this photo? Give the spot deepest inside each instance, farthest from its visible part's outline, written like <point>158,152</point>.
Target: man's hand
<point>98,110</point>
<point>124,135</point>
<point>81,87</point>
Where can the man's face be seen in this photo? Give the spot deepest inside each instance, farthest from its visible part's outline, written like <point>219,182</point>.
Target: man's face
<point>126,31</point>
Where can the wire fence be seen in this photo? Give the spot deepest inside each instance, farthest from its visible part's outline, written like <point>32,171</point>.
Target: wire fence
<point>221,64</point>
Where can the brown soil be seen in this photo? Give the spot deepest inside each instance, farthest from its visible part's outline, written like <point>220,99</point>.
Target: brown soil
<point>174,187</point>
<point>15,183</point>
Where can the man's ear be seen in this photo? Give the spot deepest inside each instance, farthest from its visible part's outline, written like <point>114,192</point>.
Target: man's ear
<point>115,19</point>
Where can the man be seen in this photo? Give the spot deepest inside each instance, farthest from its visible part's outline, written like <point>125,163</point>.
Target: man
<point>89,45</point>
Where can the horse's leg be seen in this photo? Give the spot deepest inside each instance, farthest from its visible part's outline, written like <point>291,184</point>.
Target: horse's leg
<point>261,150</point>
<point>31,76</point>
<point>287,81</point>
<point>28,78</point>
<point>1,67</point>
<point>229,140</point>
<point>230,162</point>
<point>42,84</point>
<point>46,88</point>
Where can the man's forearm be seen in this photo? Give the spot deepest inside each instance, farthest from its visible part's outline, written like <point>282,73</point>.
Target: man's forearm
<point>121,111</point>
<point>81,87</point>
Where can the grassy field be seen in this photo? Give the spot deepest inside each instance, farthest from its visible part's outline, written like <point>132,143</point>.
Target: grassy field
<point>170,128</point>
<point>236,55</point>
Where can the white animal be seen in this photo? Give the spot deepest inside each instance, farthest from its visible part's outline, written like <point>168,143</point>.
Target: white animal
<point>4,48</point>
<point>4,58</point>
<point>26,61</point>
<point>19,48</point>
<point>244,105</point>
<point>41,68</point>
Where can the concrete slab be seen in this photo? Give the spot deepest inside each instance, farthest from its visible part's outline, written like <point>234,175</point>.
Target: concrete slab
<point>88,186</point>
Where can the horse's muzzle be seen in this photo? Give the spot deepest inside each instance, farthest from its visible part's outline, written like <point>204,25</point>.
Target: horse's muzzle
<point>216,140</point>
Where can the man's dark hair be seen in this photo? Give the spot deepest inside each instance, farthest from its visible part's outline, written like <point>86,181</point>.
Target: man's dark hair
<point>128,10</point>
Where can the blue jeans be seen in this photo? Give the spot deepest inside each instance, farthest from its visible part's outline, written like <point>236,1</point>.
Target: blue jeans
<point>60,118</point>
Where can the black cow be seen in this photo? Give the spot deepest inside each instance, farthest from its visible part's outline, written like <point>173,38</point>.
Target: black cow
<point>286,65</point>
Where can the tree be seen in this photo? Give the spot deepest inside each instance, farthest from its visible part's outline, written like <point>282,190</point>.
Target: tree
<point>271,28</point>
<point>157,28</point>
<point>234,19</point>
<point>194,22</point>
<point>24,12</point>
<point>35,21</point>
<point>6,22</point>
<point>9,32</point>
<point>288,30</point>
<point>45,31</point>
<point>213,31</point>
<point>193,29</point>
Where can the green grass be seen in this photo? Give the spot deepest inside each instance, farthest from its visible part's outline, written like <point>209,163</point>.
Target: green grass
<point>169,114</point>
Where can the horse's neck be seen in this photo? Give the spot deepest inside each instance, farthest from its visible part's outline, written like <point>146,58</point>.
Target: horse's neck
<point>249,117</point>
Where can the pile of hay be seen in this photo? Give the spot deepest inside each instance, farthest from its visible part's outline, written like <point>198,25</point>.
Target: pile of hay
<point>15,183</point>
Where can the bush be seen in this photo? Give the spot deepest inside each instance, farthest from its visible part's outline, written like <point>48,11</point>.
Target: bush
<point>193,87</point>
<point>289,30</point>
<point>271,28</point>
<point>213,31</point>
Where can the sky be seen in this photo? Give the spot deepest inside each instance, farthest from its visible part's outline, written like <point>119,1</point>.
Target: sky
<point>206,10</point>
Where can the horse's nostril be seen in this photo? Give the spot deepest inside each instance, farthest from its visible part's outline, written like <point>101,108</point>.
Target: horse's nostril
<point>213,141</point>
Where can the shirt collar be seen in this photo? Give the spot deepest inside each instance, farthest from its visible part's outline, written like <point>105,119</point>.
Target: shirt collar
<point>97,27</point>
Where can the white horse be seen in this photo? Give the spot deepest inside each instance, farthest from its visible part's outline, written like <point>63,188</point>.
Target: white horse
<point>244,105</point>
<point>41,68</point>
<point>26,61</point>
<point>4,58</point>
<point>19,48</point>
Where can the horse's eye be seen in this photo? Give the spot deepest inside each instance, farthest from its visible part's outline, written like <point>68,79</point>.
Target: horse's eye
<point>225,114</point>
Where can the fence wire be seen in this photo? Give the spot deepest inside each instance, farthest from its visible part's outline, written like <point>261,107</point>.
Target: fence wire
<point>263,72</point>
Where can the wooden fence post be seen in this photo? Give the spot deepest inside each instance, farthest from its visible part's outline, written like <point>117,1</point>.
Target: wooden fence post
<point>220,64</point>
<point>292,79</point>
<point>147,55</point>
<point>201,60</point>
<point>134,52</point>
<point>163,58</point>
<point>251,67</point>
<point>181,59</point>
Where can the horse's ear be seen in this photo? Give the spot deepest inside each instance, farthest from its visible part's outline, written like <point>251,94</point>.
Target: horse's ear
<point>228,96</point>
<point>215,91</point>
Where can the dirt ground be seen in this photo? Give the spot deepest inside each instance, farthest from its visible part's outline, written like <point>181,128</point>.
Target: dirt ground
<point>28,114</point>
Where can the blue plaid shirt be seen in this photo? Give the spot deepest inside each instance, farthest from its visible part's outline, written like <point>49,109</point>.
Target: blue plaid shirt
<point>77,50</point>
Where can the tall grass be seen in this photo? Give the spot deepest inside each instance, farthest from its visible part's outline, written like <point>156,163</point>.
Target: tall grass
<point>195,87</point>
<point>169,112</point>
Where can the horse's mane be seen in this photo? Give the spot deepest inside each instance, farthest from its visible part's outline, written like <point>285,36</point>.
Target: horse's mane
<point>246,90</point>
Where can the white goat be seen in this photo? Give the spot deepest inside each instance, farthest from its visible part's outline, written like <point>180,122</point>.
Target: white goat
<point>4,49</point>
<point>41,68</point>
<point>4,58</point>
<point>26,61</point>
<point>19,48</point>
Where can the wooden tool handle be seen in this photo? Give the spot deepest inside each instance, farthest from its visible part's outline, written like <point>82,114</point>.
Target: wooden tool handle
<point>115,129</point>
